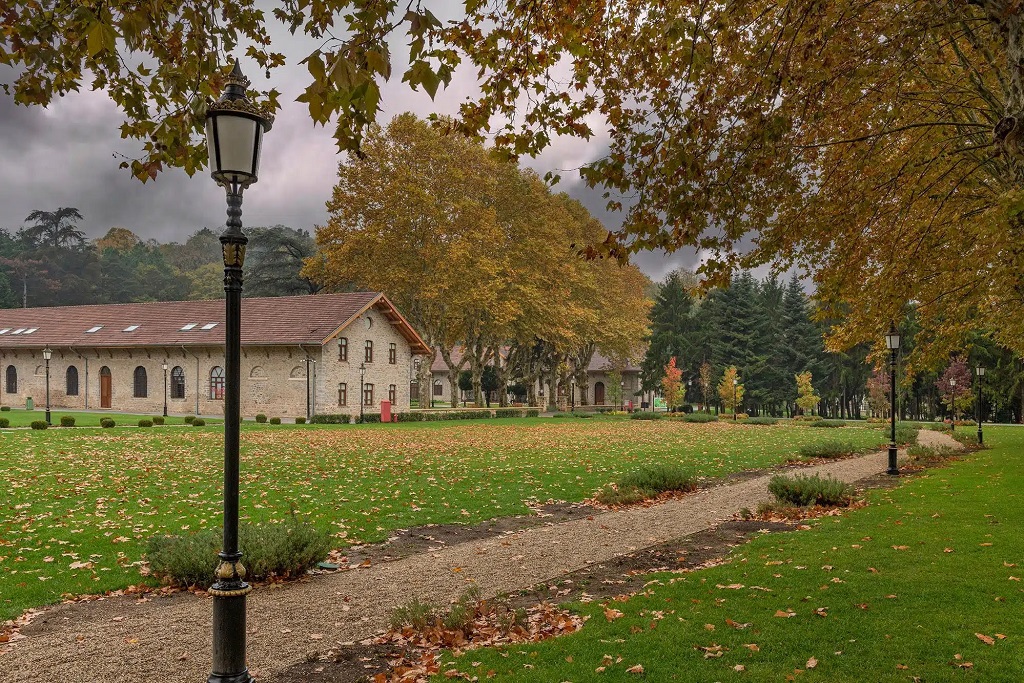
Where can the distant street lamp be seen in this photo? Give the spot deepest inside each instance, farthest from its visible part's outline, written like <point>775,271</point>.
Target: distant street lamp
<point>234,138</point>
<point>572,394</point>
<point>622,395</point>
<point>981,373</point>
<point>164,366</point>
<point>952,403</point>
<point>362,390</point>
<point>735,407</point>
<point>47,353</point>
<point>892,341</point>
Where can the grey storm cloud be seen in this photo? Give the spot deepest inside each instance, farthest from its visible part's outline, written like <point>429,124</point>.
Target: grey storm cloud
<point>67,154</point>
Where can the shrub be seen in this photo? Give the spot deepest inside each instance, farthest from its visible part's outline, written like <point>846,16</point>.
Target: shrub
<point>562,415</point>
<point>827,423</point>
<point>369,418</point>
<point>409,417</point>
<point>803,491</point>
<point>261,418</point>
<point>700,418</point>
<point>937,427</point>
<point>158,420</point>
<point>647,482</point>
<point>330,419</point>
<point>930,455</point>
<point>198,422</point>
<point>532,412</point>
<point>905,434</point>
<point>645,416</point>
<point>762,421</point>
<point>966,437</point>
<point>275,420</point>
<point>4,423</point>
<point>418,615</point>
<point>145,423</point>
<point>509,412</point>
<point>106,422</point>
<point>40,424</point>
<point>828,449</point>
<point>5,408</point>
<point>300,420</point>
<point>67,421</point>
<point>189,419</point>
<point>285,550</point>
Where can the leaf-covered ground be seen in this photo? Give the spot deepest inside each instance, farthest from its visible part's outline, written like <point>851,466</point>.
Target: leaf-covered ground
<point>79,504</point>
<point>922,585</point>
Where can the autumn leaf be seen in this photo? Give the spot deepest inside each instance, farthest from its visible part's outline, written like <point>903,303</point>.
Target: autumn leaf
<point>811,663</point>
<point>785,614</point>
<point>612,614</point>
<point>636,669</point>
<point>988,640</point>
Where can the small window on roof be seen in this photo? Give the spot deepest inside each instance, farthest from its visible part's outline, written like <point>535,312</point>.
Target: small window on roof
<point>189,326</point>
<point>130,328</point>
<point>18,331</point>
<point>30,330</point>
<point>208,326</point>
<point>5,330</point>
<point>97,328</point>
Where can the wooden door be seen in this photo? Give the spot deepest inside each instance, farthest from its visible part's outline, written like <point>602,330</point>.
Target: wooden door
<point>599,394</point>
<point>105,387</point>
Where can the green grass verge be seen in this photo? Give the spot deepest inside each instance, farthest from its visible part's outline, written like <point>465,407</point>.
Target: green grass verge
<point>893,592</point>
<point>24,418</point>
<point>79,505</point>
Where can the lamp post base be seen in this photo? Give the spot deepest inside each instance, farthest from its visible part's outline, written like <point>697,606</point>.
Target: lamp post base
<point>229,635</point>
<point>893,469</point>
<point>981,437</point>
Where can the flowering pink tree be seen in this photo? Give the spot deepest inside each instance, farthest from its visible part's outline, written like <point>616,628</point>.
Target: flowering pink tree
<point>958,398</point>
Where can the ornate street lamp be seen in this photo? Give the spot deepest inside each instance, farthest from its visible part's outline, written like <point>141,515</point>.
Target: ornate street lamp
<point>164,366</point>
<point>47,354</point>
<point>622,395</point>
<point>952,403</point>
<point>981,373</point>
<point>892,341</point>
<point>362,390</point>
<point>234,137</point>
<point>735,408</point>
<point>572,394</point>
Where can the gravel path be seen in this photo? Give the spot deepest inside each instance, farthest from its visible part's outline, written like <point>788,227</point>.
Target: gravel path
<point>121,639</point>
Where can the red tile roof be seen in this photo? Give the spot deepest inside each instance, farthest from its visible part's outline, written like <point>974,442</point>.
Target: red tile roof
<point>266,321</point>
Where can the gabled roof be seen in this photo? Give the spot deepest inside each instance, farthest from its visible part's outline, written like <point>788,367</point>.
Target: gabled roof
<point>266,321</point>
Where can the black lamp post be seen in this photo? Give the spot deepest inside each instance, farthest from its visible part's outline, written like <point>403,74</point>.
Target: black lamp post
<point>47,354</point>
<point>892,341</point>
<point>572,394</point>
<point>234,136</point>
<point>622,395</point>
<point>952,403</point>
<point>362,390</point>
<point>981,373</point>
<point>735,406</point>
<point>164,366</point>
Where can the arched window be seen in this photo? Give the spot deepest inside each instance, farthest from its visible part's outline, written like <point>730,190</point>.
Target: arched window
<point>12,380</point>
<point>178,382</point>
<point>298,372</point>
<point>71,385</point>
<point>141,383</point>
<point>217,383</point>
<point>599,394</point>
<point>258,373</point>
<point>438,388</point>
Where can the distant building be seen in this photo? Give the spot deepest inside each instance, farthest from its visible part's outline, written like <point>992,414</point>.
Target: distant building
<point>300,355</point>
<point>597,392</point>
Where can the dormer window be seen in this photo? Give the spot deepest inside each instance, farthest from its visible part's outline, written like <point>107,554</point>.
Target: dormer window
<point>30,330</point>
<point>130,328</point>
<point>188,327</point>
<point>208,326</point>
<point>95,329</point>
<point>18,331</point>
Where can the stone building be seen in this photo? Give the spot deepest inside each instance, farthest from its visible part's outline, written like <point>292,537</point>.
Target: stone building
<point>597,392</point>
<point>300,355</point>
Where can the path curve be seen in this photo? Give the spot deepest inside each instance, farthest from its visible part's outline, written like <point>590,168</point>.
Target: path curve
<point>120,640</point>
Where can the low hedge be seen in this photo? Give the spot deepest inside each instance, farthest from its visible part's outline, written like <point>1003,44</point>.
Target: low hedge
<point>645,416</point>
<point>40,424</point>
<point>198,422</point>
<point>107,422</point>
<point>330,419</point>
<point>189,419</point>
<point>283,551</point>
<point>261,418</point>
<point>4,409</point>
<point>700,418</point>
<point>762,421</point>
<point>67,421</point>
<point>804,491</point>
<point>145,423</point>
<point>300,420</point>
<point>4,423</point>
<point>368,418</point>
<point>827,423</point>
<point>509,412</point>
<point>158,420</point>
<point>828,449</point>
<point>275,420</point>
<point>435,416</point>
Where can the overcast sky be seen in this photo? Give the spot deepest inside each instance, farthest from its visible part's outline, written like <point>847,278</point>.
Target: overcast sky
<point>66,156</point>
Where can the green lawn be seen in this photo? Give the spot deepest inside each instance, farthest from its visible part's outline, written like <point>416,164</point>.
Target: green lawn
<point>905,585</point>
<point>79,504</point>
<point>23,418</point>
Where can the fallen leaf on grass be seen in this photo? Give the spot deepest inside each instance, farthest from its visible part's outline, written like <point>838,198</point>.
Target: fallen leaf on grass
<point>901,547</point>
<point>902,667</point>
<point>988,640</point>
<point>739,667</point>
<point>788,613</point>
<point>736,624</point>
<point>638,669</point>
<point>811,663</point>
<point>752,647</point>
<point>612,614</point>
<point>958,662</point>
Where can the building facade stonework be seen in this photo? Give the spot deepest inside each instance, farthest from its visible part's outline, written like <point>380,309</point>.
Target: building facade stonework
<point>292,358</point>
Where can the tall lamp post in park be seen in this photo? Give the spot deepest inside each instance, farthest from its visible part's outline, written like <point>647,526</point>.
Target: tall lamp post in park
<point>952,403</point>
<point>362,390</point>
<point>892,341</point>
<point>164,366</point>
<point>234,137</point>
<point>735,408</point>
<point>572,394</point>
<point>47,354</point>
<point>981,373</point>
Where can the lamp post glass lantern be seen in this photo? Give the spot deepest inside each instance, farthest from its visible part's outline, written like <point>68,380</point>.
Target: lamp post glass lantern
<point>892,342</point>
<point>234,137</point>
<point>981,373</point>
<point>47,354</point>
